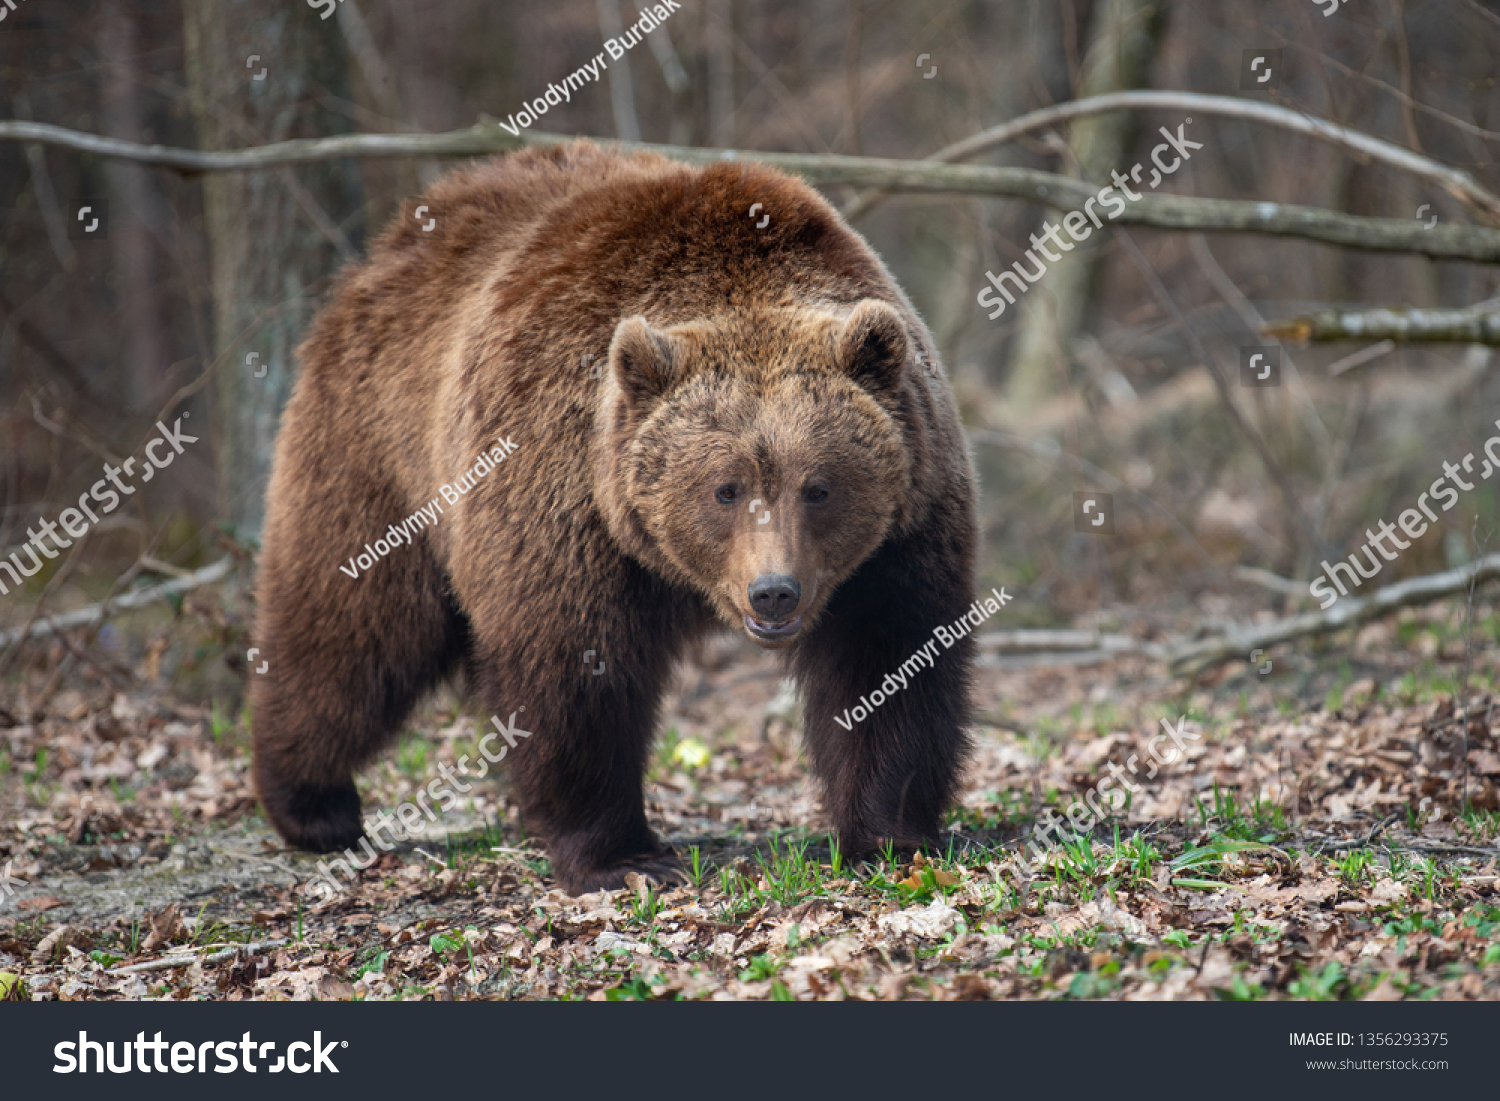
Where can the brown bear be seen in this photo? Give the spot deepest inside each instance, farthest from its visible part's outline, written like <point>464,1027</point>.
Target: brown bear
<point>704,402</point>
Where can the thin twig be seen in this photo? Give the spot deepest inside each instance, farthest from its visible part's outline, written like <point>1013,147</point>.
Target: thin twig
<point>82,656</point>
<point>1441,847</point>
<point>1300,525</point>
<point>1361,357</point>
<point>1253,321</point>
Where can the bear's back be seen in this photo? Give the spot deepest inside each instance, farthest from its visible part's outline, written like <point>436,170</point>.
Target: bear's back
<point>501,313</point>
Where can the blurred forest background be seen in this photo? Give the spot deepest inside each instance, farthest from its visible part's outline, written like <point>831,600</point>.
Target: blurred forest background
<point>197,295</point>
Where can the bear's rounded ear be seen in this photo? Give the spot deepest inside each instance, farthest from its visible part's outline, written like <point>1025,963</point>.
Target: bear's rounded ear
<point>872,346</point>
<point>643,360</point>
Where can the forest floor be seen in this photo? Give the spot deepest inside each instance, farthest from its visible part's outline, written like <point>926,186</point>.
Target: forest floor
<point>1330,830</point>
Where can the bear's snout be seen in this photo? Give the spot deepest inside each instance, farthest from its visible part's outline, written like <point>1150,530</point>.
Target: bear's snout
<point>774,597</point>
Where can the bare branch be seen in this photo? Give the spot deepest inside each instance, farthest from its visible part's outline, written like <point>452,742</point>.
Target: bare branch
<point>1360,358</point>
<point>1457,183</point>
<point>1174,212</point>
<point>166,963</point>
<point>1475,325</point>
<point>477,140</point>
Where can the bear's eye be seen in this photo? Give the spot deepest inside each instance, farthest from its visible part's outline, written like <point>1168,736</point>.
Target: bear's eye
<point>815,495</point>
<point>727,494</point>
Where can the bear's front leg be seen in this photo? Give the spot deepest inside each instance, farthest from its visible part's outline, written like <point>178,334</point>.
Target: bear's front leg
<point>586,690</point>
<point>889,771</point>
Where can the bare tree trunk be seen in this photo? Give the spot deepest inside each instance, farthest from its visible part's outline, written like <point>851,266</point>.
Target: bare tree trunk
<point>269,255</point>
<point>137,268</point>
<point>678,83</point>
<point>621,87</point>
<point>719,16</point>
<point>1052,317</point>
<point>853,46</point>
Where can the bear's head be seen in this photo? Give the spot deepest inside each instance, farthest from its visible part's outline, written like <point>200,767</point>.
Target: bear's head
<point>757,456</point>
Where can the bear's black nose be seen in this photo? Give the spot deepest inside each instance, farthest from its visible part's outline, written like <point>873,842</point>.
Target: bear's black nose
<point>774,596</point>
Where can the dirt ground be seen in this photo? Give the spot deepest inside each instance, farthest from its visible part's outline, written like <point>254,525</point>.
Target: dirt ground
<point>1328,831</point>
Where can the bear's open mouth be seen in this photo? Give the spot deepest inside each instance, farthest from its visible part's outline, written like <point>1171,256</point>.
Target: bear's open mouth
<point>773,632</point>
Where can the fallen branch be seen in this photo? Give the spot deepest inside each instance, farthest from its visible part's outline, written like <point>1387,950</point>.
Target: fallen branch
<point>83,616</point>
<point>1479,325</point>
<point>166,963</point>
<point>1268,580</point>
<point>1067,642</point>
<point>1187,658</point>
<point>1173,212</point>
<point>1445,849</point>
<point>36,609</point>
<point>1348,612</point>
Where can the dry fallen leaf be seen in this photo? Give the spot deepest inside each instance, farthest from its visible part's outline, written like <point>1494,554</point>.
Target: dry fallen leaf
<point>166,926</point>
<point>938,919</point>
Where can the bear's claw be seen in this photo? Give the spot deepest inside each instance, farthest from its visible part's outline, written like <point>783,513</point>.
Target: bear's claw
<point>662,866</point>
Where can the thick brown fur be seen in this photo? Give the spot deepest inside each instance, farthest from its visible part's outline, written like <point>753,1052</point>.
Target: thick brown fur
<point>779,370</point>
